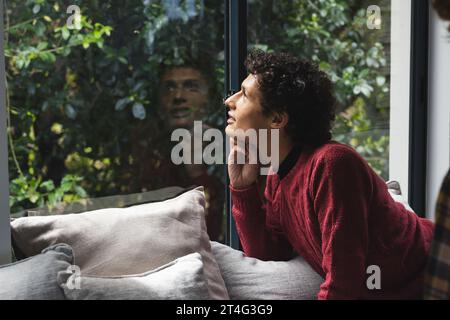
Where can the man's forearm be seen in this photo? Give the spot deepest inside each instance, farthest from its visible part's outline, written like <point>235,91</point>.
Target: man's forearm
<point>257,241</point>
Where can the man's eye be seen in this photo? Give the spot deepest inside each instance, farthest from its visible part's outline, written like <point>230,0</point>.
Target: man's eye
<point>191,86</point>
<point>169,87</point>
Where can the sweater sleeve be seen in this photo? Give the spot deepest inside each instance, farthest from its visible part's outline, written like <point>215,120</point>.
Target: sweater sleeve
<point>342,191</point>
<point>257,240</point>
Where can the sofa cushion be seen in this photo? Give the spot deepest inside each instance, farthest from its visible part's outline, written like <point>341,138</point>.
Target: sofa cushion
<point>35,278</point>
<point>182,279</point>
<point>126,241</point>
<point>252,279</point>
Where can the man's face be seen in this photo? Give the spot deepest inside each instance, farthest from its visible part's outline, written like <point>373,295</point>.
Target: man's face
<point>183,95</point>
<point>245,111</point>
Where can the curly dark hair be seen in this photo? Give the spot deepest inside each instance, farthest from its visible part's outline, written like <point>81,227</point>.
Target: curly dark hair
<point>299,88</point>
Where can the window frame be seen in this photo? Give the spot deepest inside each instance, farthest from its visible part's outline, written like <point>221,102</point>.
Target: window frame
<point>419,107</point>
<point>409,117</point>
<point>5,232</point>
<point>438,161</point>
<point>401,84</point>
<point>409,79</point>
<point>235,73</point>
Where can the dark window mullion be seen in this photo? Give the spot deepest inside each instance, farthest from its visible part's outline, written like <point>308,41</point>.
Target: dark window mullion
<point>419,107</point>
<point>235,73</point>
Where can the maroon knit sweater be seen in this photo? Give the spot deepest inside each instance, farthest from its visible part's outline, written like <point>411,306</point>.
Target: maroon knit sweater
<point>331,208</point>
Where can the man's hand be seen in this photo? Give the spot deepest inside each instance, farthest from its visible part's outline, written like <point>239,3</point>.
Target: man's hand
<point>242,175</point>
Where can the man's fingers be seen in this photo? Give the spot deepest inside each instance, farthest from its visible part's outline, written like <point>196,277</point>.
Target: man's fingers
<point>238,155</point>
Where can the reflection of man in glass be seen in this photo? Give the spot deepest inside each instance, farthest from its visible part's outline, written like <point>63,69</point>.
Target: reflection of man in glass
<point>184,95</point>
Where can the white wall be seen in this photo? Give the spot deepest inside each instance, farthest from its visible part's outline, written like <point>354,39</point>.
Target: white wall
<point>400,97</point>
<point>5,243</point>
<point>439,110</point>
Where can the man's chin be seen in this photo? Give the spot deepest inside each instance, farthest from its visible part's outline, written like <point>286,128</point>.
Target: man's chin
<point>230,131</point>
<point>181,123</point>
<point>233,131</point>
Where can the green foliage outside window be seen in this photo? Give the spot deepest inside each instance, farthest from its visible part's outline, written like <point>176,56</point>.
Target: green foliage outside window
<point>74,96</point>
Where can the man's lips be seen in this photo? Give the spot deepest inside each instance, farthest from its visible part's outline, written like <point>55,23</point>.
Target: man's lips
<point>180,112</point>
<point>231,119</point>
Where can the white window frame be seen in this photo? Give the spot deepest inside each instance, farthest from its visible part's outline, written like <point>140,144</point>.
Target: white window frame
<point>399,149</point>
<point>438,161</point>
<point>5,233</point>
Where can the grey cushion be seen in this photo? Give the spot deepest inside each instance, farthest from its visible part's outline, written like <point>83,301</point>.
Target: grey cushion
<point>126,241</point>
<point>36,278</point>
<point>182,279</point>
<point>252,279</point>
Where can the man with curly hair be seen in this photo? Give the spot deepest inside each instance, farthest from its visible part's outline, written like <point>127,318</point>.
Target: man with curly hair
<point>324,203</point>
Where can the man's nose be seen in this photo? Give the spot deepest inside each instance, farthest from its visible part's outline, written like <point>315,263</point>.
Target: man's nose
<point>177,99</point>
<point>229,102</point>
<point>179,93</point>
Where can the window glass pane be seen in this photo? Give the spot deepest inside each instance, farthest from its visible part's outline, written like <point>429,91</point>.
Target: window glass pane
<point>95,90</point>
<point>350,40</point>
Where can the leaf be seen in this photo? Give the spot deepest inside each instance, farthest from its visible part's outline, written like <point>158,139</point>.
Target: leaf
<point>40,29</point>
<point>36,9</point>
<point>47,57</point>
<point>48,185</point>
<point>65,33</point>
<point>381,81</point>
<point>42,45</point>
<point>80,192</point>
<point>66,51</point>
<point>65,186</point>
<point>58,195</point>
<point>34,198</point>
<point>324,66</point>
<point>70,112</point>
<point>366,90</point>
<point>51,199</point>
<point>138,86</point>
<point>139,111</point>
<point>122,103</point>
<point>20,62</point>
<point>123,60</point>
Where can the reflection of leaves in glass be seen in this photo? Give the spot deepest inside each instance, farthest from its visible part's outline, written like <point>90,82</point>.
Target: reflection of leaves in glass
<point>108,71</point>
<point>139,111</point>
<point>122,103</point>
<point>71,112</point>
<point>32,192</point>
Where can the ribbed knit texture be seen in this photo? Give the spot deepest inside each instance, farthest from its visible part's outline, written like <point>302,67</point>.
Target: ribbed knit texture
<point>336,212</point>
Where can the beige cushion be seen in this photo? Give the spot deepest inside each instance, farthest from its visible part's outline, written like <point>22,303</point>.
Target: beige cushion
<point>182,279</point>
<point>111,242</point>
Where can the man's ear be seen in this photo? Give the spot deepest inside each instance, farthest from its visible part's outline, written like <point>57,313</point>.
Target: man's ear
<point>279,120</point>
